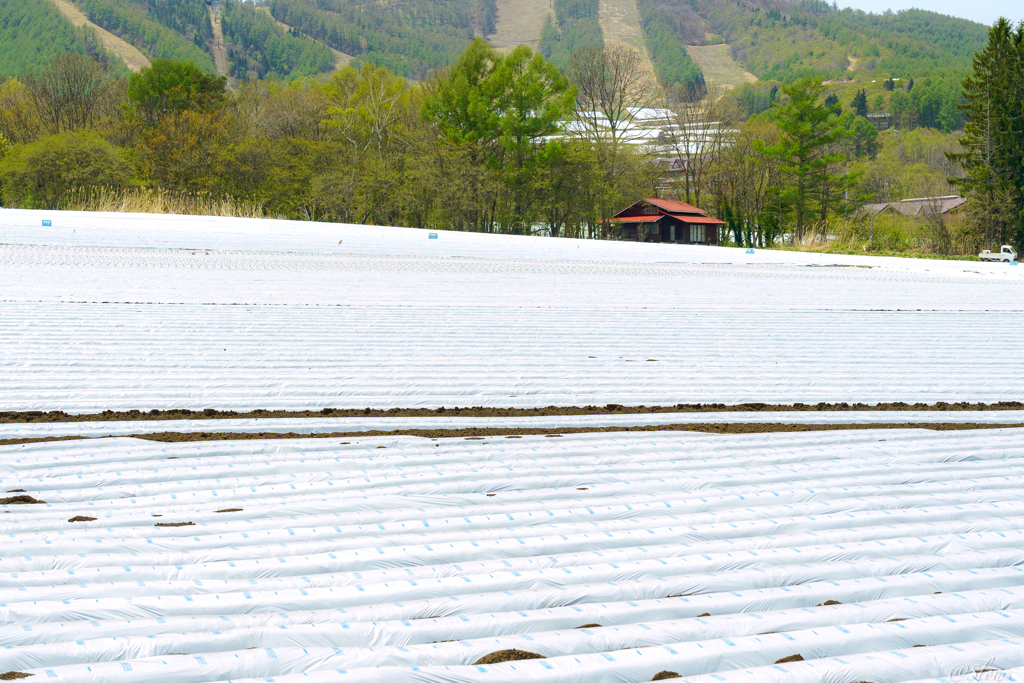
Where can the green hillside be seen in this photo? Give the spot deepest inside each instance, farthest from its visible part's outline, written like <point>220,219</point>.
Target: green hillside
<point>32,32</point>
<point>133,22</point>
<point>578,26</point>
<point>409,37</point>
<point>259,48</point>
<point>777,41</point>
<point>786,41</point>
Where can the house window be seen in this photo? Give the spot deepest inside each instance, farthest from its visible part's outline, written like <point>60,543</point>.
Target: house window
<point>696,233</point>
<point>652,228</point>
<point>650,211</point>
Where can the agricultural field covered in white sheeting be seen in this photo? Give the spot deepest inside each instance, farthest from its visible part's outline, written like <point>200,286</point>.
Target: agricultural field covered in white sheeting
<point>877,555</point>
<point>120,312</point>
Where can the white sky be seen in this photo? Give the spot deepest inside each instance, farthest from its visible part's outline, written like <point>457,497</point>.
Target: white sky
<point>981,11</point>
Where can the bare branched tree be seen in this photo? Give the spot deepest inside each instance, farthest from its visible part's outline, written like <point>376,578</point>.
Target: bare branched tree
<point>70,93</point>
<point>612,83</point>
<point>704,125</point>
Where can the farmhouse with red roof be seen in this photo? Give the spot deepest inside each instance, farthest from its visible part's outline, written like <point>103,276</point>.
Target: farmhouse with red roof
<point>667,220</point>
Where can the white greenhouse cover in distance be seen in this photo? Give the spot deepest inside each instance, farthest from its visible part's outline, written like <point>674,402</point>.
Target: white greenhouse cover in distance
<point>613,555</point>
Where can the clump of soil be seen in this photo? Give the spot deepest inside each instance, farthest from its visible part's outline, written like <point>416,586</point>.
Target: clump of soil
<point>507,656</point>
<point>663,675</point>
<point>706,614</point>
<point>21,500</point>
<point>829,603</point>
<point>229,510</point>
<point>791,658</point>
<point>16,491</point>
<point>82,518</point>
<point>590,626</point>
<point>175,524</point>
<point>13,676</point>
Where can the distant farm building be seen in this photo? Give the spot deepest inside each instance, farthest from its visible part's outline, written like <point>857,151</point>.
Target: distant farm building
<point>667,220</point>
<point>922,207</point>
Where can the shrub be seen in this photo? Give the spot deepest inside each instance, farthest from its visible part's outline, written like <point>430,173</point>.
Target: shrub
<point>38,175</point>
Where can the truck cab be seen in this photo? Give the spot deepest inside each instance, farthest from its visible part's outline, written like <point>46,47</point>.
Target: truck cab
<point>1007,253</point>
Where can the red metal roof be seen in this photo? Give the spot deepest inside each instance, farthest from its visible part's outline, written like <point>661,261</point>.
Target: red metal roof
<point>698,220</point>
<point>635,219</point>
<point>673,206</point>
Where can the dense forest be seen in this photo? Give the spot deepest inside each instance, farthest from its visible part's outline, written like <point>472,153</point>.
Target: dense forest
<point>577,27</point>
<point>665,34</point>
<point>130,21</point>
<point>409,37</point>
<point>259,48</point>
<point>32,32</point>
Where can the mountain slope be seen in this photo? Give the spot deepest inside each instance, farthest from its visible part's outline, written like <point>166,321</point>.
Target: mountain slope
<point>784,41</point>
<point>32,32</point>
<point>519,22</point>
<point>718,65</point>
<point>126,52</point>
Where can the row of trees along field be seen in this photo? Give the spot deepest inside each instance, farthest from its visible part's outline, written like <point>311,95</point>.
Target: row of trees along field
<point>471,149</point>
<point>510,143</point>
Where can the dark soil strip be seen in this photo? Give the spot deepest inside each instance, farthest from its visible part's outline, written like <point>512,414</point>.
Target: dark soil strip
<point>513,433</point>
<point>611,408</point>
<point>708,428</point>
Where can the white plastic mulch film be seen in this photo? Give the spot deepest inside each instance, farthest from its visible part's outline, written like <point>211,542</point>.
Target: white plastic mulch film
<point>874,555</point>
<point>120,312</point>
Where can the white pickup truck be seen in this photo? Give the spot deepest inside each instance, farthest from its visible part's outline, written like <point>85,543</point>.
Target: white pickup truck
<point>1005,254</point>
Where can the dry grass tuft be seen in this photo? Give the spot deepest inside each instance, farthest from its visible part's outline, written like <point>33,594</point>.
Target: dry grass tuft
<point>145,200</point>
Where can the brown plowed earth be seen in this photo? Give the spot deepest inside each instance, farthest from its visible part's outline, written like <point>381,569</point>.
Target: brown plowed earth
<point>12,417</point>
<point>707,428</point>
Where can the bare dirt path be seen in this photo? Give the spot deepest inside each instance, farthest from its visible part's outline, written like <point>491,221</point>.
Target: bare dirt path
<point>129,54</point>
<point>718,65</point>
<point>520,22</point>
<point>620,23</point>
<point>220,53</point>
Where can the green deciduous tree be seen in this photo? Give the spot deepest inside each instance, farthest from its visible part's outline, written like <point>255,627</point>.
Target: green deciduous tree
<point>504,106</point>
